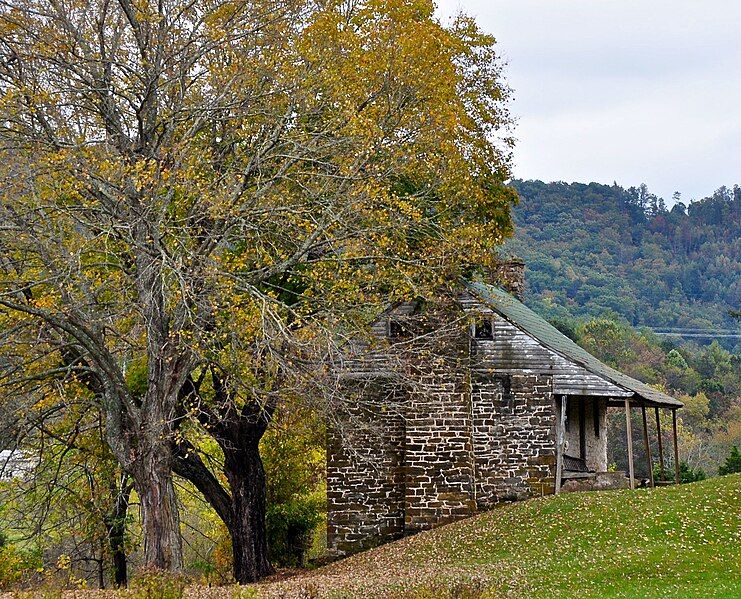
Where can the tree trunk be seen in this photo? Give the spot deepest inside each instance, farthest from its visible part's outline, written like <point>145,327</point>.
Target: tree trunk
<point>246,475</point>
<point>101,567</point>
<point>160,522</point>
<point>116,528</point>
<point>243,507</point>
<point>188,464</point>
<point>120,565</point>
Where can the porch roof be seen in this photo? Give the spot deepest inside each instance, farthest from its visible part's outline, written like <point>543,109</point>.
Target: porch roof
<point>529,322</point>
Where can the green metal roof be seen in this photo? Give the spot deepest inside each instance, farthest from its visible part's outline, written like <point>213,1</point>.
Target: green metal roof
<point>529,322</point>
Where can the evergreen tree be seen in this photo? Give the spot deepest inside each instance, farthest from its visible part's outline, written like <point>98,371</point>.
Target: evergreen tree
<point>732,464</point>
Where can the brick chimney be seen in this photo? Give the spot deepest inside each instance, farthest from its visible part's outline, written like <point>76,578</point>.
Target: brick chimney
<point>510,275</point>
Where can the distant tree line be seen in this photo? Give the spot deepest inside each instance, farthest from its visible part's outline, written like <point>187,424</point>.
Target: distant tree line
<point>607,264</point>
<point>599,250</point>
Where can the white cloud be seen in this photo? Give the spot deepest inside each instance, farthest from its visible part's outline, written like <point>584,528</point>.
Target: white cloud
<point>628,90</point>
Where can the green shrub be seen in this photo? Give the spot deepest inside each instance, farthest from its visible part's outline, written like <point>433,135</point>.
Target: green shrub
<point>16,565</point>
<point>156,584</point>
<point>732,463</point>
<point>686,474</point>
<point>294,458</point>
<point>290,526</point>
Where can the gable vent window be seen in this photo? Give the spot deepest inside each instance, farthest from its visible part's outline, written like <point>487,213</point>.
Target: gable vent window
<point>395,329</point>
<point>483,329</point>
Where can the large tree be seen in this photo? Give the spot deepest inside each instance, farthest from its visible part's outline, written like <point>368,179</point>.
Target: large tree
<point>201,201</point>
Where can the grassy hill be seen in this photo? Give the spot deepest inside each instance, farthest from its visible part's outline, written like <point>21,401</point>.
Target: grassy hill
<point>671,542</point>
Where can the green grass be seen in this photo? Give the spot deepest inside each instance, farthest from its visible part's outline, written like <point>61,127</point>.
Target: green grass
<point>671,542</point>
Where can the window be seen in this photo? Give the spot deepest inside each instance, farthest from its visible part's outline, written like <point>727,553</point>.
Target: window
<point>483,329</point>
<point>396,329</point>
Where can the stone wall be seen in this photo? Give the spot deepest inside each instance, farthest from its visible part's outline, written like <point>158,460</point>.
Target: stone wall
<point>456,446</point>
<point>365,474</point>
<point>438,460</point>
<point>513,437</point>
<point>454,439</point>
<point>595,444</point>
<point>510,275</point>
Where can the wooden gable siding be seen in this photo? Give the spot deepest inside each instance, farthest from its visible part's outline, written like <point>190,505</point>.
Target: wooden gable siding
<point>366,357</point>
<point>513,351</point>
<point>360,362</point>
<point>400,312</point>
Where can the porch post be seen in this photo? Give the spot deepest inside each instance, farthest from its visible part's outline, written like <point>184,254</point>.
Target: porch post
<point>647,443</point>
<point>561,425</point>
<point>661,446</point>
<point>629,431</point>
<point>676,446</point>
<point>582,430</point>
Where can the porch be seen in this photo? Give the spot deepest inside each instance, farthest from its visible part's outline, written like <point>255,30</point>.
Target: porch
<point>581,441</point>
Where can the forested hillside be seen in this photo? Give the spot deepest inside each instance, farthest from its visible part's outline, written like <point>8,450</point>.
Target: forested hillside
<point>598,250</point>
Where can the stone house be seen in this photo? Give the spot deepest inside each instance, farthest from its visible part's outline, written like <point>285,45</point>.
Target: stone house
<point>504,407</point>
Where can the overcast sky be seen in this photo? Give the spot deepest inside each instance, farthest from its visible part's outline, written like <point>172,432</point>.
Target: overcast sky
<point>633,91</point>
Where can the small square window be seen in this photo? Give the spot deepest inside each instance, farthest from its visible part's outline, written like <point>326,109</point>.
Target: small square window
<point>396,329</point>
<point>483,329</point>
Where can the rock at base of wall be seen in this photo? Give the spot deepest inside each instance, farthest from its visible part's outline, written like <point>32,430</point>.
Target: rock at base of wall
<point>599,481</point>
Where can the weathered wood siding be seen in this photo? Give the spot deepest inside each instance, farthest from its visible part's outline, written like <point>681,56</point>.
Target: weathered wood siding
<point>368,357</point>
<point>514,351</point>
